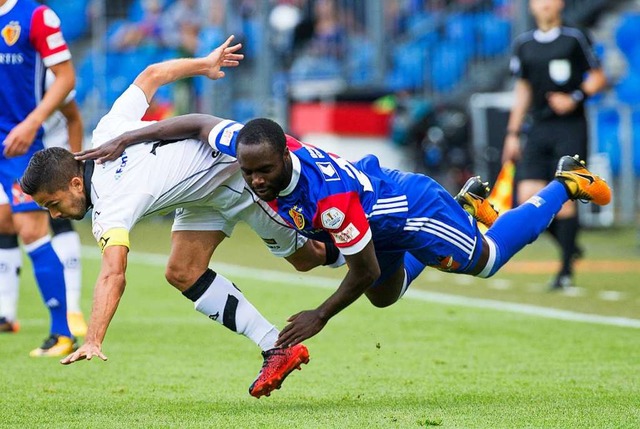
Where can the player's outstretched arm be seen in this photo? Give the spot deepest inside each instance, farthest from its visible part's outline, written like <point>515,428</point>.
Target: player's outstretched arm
<point>363,271</point>
<point>192,126</point>
<point>106,296</point>
<point>157,75</point>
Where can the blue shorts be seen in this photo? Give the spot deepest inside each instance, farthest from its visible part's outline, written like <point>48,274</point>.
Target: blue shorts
<point>435,229</point>
<point>11,170</point>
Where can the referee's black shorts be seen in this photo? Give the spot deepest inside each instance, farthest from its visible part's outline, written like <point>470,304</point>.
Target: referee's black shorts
<point>549,140</point>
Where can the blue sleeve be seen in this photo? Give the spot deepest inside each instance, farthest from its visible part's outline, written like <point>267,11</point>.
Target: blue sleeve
<point>223,137</point>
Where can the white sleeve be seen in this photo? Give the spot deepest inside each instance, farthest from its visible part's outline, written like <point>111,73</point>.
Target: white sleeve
<point>118,212</point>
<point>126,114</point>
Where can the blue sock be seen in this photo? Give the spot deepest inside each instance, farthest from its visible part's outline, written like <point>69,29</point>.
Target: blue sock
<point>522,225</point>
<point>49,273</point>
<point>412,268</point>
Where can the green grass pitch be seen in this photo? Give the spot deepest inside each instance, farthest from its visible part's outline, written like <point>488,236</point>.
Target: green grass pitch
<point>415,364</point>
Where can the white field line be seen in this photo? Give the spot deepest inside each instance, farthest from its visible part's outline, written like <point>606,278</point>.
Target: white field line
<point>440,298</point>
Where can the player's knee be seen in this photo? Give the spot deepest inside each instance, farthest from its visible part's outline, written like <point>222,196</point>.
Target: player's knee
<point>382,301</point>
<point>30,236</point>
<point>180,277</point>
<point>6,223</point>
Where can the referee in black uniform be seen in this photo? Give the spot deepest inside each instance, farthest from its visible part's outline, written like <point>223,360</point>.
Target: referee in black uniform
<point>556,71</point>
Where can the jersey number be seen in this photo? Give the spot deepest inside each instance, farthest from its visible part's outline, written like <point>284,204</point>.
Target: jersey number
<point>354,173</point>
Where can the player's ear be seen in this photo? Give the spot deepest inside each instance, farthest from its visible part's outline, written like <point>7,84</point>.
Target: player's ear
<point>77,183</point>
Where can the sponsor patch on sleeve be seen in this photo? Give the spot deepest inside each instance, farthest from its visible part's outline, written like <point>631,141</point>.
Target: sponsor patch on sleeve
<point>55,40</point>
<point>347,235</point>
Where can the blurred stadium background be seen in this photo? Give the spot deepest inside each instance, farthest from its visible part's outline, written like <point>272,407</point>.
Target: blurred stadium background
<point>422,83</point>
<point>425,85</point>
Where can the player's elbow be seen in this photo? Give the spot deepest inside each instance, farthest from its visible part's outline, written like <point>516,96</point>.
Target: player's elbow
<point>151,73</point>
<point>304,266</point>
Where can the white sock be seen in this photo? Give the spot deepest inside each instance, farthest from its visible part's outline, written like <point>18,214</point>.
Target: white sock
<point>10,263</point>
<point>224,303</point>
<point>67,247</point>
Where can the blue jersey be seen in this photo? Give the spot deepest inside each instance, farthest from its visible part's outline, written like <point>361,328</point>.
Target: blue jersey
<point>352,204</point>
<point>31,39</point>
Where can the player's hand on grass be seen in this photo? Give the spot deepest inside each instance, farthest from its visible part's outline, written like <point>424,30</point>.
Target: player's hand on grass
<point>301,326</point>
<point>223,56</point>
<point>86,351</point>
<point>105,152</point>
<point>20,138</point>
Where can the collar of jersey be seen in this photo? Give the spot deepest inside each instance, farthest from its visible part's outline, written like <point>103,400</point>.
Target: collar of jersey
<point>546,36</point>
<point>295,175</point>
<point>88,174</point>
<point>6,8</point>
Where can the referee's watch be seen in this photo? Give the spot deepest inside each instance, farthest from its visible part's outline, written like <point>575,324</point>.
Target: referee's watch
<point>578,96</point>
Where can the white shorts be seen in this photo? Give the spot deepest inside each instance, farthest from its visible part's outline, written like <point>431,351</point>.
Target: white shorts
<point>4,199</point>
<point>281,240</point>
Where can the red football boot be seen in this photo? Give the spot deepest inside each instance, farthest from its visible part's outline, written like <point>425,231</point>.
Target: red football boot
<point>278,363</point>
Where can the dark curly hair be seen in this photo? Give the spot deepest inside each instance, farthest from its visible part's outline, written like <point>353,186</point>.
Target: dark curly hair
<point>263,130</point>
<point>50,170</point>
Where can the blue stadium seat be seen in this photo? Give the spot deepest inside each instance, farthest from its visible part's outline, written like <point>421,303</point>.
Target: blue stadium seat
<point>461,28</point>
<point>423,28</point>
<point>410,61</point>
<point>73,15</point>
<point>628,89</point>
<point>253,33</point>
<point>628,33</point>
<point>84,78</point>
<point>449,64</point>
<point>608,123</point>
<point>635,120</point>
<point>494,34</point>
<point>360,61</point>
<point>315,68</point>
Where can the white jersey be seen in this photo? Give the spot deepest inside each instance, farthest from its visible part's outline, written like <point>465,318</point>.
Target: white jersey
<point>152,178</point>
<point>56,133</point>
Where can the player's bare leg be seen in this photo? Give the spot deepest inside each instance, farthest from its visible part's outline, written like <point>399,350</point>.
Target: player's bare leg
<point>191,252</point>
<point>388,291</point>
<point>220,300</point>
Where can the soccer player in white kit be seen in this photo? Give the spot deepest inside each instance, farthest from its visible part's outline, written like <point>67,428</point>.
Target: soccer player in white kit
<point>211,196</point>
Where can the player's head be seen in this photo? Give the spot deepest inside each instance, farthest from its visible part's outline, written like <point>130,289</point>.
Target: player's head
<point>546,11</point>
<point>264,158</point>
<point>54,178</point>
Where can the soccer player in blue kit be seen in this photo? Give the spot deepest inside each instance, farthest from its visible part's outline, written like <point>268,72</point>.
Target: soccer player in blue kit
<point>30,40</point>
<point>389,225</point>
